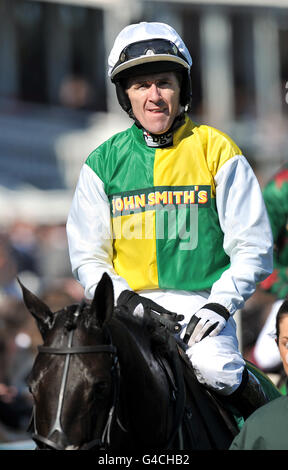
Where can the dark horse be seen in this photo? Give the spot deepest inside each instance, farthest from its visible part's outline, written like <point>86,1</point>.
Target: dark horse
<point>106,380</point>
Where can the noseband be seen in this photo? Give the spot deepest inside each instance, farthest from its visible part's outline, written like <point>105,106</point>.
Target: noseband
<point>99,443</point>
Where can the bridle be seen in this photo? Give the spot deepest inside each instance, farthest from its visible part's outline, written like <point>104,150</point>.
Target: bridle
<point>99,443</point>
<point>103,442</point>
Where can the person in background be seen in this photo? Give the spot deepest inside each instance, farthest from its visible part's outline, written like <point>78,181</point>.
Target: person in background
<point>266,428</point>
<point>275,195</point>
<point>173,212</point>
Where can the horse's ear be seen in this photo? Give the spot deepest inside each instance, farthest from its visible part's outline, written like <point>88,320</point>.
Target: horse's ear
<point>38,309</point>
<point>102,306</point>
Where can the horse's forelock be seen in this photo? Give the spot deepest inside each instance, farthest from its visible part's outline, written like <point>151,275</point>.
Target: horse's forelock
<point>69,319</point>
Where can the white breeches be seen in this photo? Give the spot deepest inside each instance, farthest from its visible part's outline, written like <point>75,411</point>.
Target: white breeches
<point>216,360</point>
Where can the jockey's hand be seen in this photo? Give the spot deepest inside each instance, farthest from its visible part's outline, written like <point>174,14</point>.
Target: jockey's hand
<point>138,305</point>
<point>208,321</point>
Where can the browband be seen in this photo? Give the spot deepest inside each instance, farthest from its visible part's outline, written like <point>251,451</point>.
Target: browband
<point>109,348</point>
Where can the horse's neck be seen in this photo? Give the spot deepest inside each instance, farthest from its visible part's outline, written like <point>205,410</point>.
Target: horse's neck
<point>144,392</point>
<point>139,367</point>
<point>131,350</point>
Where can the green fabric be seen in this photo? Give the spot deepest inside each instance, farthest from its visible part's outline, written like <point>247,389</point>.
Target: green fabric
<point>123,162</point>
<point>275,195</point>
<point>190,253</point>
<point>265,429</point>
<point>283,389</point>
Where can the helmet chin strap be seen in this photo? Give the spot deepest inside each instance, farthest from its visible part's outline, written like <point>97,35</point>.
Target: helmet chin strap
<point>160,140</point>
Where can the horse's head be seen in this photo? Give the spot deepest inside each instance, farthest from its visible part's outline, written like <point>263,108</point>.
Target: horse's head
<point>74,374</point>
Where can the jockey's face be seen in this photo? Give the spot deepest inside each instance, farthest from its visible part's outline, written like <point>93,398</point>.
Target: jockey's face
<point>283,341</point>
<point>155,100</point>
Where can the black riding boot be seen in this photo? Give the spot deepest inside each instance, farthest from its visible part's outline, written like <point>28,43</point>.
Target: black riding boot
<point>249,395</point>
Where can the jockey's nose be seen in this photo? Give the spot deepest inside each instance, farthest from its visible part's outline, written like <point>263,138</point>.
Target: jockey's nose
<point>154,93</point>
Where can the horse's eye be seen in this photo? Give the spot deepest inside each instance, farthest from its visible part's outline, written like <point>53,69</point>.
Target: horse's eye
<point>30,388</point>
<point>101,389</point>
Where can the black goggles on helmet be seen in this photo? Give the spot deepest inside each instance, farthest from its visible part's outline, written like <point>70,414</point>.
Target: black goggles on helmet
<point>149,47</point>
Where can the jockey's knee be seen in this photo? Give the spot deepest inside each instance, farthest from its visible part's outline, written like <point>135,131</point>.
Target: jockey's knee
<point>217,364</point>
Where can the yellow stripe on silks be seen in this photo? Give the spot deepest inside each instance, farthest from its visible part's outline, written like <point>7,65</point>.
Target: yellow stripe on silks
<point>220,147</point>
<point>135,249</point>
<point>197,155</point>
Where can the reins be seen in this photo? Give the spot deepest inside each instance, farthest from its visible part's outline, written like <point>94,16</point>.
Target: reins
<point>174,374</point>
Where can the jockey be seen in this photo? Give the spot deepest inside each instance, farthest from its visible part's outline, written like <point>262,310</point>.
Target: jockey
<point>173,212</point>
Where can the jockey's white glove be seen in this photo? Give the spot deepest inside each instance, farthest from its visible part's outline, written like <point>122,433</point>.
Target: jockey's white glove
<point>208,321</point>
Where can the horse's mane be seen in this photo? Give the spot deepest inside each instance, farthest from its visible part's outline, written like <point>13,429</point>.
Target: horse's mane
<point>145,326</point>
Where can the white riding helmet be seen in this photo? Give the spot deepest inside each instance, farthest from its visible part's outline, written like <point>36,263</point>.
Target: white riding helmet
<point>149,48</point>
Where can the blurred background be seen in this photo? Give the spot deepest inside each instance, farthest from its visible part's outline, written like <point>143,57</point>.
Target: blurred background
<point>57,105</point>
